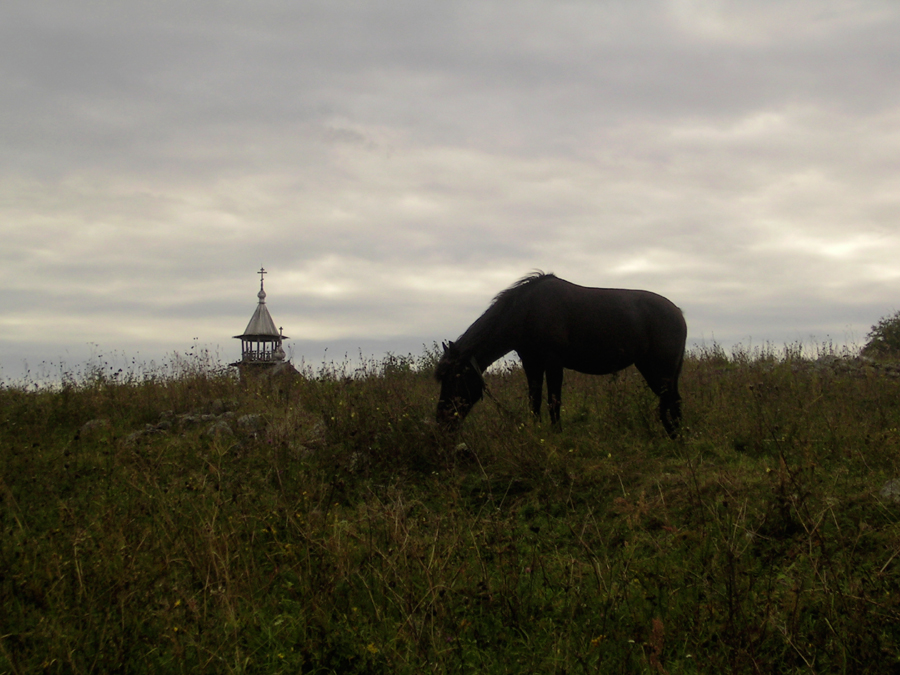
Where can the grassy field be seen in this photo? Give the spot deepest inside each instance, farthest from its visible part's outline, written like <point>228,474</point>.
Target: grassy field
<point>185,523</point>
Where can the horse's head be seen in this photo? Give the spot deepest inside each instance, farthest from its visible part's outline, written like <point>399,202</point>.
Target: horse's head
<point>462,386</point>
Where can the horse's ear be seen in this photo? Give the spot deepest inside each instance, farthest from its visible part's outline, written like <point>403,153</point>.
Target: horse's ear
<point>451,351</point>
<point>444,345</point>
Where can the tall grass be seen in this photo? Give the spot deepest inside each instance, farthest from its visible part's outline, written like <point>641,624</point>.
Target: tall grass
<point>186,522</point>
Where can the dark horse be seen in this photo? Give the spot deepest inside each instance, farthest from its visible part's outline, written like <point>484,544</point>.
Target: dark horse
<point>553,324</point>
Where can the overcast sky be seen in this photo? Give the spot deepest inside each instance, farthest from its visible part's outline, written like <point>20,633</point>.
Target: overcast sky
<point>394,165</point>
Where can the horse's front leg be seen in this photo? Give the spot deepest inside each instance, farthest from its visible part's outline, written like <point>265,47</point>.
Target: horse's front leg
<point>534,372</point>
<point>554,393</point>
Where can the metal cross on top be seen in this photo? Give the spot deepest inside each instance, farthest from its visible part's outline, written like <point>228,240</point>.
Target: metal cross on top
<point>262,272</point>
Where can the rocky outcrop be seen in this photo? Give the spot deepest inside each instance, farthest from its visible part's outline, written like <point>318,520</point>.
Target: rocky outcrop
<point>221,422</point>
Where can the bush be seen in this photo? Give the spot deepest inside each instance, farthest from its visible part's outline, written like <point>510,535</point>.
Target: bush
<point>884,338</point>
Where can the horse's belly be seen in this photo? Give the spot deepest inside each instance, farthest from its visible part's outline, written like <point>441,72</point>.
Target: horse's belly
<point>597,365</point>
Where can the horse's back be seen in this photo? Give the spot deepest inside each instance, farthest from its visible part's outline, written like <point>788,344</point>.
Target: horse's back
<point>605,329</point>
<point>621,309</point>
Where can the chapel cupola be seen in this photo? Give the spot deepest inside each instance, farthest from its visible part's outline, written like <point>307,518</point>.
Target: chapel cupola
<point>261,342</point>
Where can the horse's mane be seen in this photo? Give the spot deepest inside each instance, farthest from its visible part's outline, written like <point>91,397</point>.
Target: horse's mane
<point>485,328</point>
<point>511,294</point>
<point>503,304</point>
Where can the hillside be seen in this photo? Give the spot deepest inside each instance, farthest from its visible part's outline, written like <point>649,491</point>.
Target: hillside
<point>187,523</point>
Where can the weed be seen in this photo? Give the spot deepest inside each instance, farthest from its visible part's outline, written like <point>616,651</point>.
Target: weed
<point>183,521</point>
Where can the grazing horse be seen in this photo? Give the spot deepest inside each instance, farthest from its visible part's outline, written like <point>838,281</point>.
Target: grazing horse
<point>554,324</point>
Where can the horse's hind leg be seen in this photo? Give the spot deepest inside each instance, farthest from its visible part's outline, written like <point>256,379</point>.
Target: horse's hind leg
<point>670,411</point>
<point>666,388</point>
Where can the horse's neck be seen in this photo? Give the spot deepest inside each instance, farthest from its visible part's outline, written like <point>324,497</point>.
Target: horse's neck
<point>485,358</point>
<point>486,347</point>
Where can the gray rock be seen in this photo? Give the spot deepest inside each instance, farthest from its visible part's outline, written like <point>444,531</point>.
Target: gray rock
<point>891,490</point>
<point>92,428</point>
<point>251,424</point>
<point>219,429</point>
<point>134,439</point>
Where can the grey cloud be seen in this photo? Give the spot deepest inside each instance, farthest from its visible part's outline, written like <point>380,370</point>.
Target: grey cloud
<point>396,164</point>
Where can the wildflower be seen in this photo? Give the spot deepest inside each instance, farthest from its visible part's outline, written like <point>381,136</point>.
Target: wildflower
<point>372,648</point>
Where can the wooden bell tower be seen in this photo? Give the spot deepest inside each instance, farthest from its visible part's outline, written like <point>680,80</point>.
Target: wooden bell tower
<point>261,342</point>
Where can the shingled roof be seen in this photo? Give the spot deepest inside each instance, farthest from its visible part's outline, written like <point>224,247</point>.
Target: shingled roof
<point>261,325</point>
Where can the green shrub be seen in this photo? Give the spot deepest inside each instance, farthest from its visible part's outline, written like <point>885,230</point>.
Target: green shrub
<point>884,338</point>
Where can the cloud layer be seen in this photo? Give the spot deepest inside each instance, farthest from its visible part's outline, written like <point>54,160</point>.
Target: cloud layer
<point>394,165</point>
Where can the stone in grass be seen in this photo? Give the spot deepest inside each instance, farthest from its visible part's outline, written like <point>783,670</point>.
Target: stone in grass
<point>251,424</point>
<point>219,429</point>
<point>891,490</point>
<point>93,428</point>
